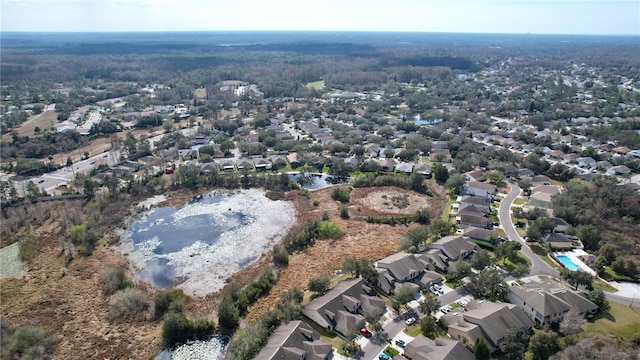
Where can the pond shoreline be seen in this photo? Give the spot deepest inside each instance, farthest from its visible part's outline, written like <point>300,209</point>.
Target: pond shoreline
<point>220,233</point>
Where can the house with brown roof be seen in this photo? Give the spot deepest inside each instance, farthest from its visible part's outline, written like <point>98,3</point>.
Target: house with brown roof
<point>622,150</point>
<point>487,320</point>
<point>423,348</point>
<point>340,308</point>
<point>295,340</point>
<point>547,302</point>
<point>294,160</point>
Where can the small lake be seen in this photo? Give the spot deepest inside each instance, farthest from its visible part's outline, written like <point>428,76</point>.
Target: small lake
<point>198,246</point>
<point>314,181</point>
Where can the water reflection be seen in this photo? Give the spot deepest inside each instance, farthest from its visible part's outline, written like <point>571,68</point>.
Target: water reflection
<point>314,181</point>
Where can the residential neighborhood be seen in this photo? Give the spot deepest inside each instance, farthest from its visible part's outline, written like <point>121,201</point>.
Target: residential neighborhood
<point>319,196</point>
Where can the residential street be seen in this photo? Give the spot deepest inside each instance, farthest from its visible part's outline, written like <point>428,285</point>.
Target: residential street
<point>538,267</point>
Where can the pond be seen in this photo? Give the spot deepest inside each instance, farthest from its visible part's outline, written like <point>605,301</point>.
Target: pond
<point>314,181</point>
<point>198,246</point>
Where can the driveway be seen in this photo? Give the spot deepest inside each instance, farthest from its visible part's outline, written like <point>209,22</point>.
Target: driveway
<point>538,267</point>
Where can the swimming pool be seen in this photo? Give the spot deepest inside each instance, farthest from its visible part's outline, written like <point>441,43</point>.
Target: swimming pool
<point>566,261</point>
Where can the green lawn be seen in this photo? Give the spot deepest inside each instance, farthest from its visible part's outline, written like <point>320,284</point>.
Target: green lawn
<point>316,85</point>
<point>413,330</point>
<point>621,321</point>
<point>519,201</point>
<point>447,208</point>
<point>509,265</point>
<point>611,275</point>
<point>599,284</point>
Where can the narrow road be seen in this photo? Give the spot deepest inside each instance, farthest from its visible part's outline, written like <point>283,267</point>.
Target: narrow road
<point>538,266</point>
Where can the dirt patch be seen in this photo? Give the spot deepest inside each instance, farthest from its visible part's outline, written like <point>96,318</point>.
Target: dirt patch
<point>389,201</point>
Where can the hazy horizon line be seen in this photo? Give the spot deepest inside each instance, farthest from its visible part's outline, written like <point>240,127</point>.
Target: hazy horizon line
<point>309,31</point>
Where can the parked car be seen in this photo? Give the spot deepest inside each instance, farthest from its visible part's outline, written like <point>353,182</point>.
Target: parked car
<point>401,343</point>
<point>365,332</point>
<point>383,357</point>
<point>410,320</point>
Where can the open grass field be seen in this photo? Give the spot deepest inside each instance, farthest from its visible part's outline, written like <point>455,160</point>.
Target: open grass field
<point>44,120</point>
<point>621,321</point>
<point>316,85</point>
<point>200,93</point>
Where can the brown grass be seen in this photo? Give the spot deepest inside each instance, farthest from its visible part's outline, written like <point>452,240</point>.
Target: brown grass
<point>74,306</point>
<point>44,120</point>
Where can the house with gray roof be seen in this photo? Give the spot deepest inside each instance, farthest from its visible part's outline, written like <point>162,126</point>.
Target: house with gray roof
<point>433,259</point>
<point>474,219</point>
<point>404,168</point>
<point>603,165</point>
<point>423,169</point>
<point>558,241</point>
<point>244,164</point>
<point>227,165</point>
<point>295,340</point>
<point>487,320</point>
<point>477,233</point>
<point>351,162</point>
<point>423,348</point>
<point>454,247</point>
<point>278,161</point>
<point>479,189</point>
<point>262,164</point>
<point>340,308</point>
<point>547,302</point>
<point>541,195</point>
<point>402,268</point>
<point>618,170</point>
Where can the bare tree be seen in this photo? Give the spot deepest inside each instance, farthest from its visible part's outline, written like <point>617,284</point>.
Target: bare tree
<point>572,322</point>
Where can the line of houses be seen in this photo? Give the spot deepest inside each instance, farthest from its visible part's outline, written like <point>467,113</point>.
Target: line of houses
<point>340,310</point>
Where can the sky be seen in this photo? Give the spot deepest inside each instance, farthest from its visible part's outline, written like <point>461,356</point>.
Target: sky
<point>597,17</point>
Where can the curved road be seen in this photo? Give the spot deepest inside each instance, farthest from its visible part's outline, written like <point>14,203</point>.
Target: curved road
<point>538,267</point>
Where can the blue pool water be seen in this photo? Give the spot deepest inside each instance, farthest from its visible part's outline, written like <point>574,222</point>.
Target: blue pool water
<point>567,262</point>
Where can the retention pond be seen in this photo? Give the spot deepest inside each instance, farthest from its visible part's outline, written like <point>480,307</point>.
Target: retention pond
<point>199,246</point>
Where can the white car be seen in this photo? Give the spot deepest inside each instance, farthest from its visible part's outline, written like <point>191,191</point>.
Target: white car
<point>410,321</point>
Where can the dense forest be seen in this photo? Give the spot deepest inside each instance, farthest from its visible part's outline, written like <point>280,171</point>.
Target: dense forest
<point>351,60</point>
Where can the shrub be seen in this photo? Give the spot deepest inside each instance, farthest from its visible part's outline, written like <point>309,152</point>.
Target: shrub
<point>113,279</point>
<point>246,343</point>
<point>341,195</point>
<point>344,212</point>
<point>26,341</point>
<point>228,314</point>
<point>280,256</point>
<point>128,305</point>
<point>168,300</point>
<point>29,247</point>
<point>319,285</point>
<point>329,230</point>
<point>177,328</point>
